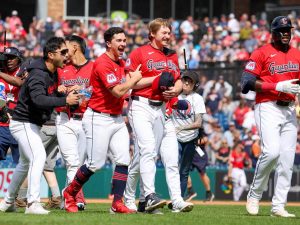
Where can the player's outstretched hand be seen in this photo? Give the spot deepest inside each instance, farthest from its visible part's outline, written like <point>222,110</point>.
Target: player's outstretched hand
<point>137,74</point>
<point>288,86</point>
<point>73,98</point>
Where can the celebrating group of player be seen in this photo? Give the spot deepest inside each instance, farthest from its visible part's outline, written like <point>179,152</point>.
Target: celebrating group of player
<point>163,108</point>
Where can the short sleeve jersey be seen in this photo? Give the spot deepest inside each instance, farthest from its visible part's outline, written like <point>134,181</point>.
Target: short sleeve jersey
<point>272,66</point>
<point>106,74</point>
<point>185,117</point>
<point>73,75</point>
<point>153,62</point>
<point>11,91</point>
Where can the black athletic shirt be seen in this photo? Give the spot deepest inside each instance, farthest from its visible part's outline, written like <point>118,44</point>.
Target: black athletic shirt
<point>38,95</point>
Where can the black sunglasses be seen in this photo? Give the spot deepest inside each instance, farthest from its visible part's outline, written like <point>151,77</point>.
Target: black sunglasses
<point>62,52</point>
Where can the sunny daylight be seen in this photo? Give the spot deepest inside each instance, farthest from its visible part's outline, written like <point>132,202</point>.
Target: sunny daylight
<point>149,112</point>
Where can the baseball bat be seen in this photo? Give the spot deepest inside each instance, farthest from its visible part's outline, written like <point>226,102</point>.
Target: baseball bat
<point>185,63</point>
<point>4,41</point>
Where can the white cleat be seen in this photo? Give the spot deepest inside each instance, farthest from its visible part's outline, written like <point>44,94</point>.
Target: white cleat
<point>252,206</point>
<point>7,207</point>
<point>282,213</point>
<point>36,208</point>
<point>182,206</point>
<point>130,204</point>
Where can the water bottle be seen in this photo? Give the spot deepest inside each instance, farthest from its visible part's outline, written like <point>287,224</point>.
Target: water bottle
<point>87,93</point>
<point>2,95</point>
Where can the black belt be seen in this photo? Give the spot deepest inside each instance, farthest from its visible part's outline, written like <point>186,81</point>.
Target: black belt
<point>108,114</point>
<point>150,102</point>
<point>283,103</point>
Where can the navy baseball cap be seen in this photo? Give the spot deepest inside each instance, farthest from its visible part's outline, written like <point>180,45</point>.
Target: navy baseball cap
<point>13,51</point>
<point>163,82</point>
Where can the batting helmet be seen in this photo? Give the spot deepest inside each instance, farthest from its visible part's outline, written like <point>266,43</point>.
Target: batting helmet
<point>280,22</point>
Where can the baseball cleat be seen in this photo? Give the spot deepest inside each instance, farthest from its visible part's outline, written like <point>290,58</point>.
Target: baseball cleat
<point>209,197</point>
<point>21,203</point>
<point>141,209</point>
<point>130,204</point>
<point>80,201</point>
<point>36,208</point>
<point>252,206</point>
<point>69,201</point>
<point>119,207</point>
<point>153,202</point>
<point>182,206</point>
<point>190,196</point>
<point>53,203</point>
<point>282,213</point>
<point>7,207</point>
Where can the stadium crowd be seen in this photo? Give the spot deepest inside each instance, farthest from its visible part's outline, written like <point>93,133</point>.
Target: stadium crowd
<point>219,39</point>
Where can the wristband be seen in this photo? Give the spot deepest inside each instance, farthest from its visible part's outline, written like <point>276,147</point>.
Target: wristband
<point>268,86</point>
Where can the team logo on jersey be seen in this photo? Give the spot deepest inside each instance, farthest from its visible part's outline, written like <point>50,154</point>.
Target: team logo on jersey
<point>111,78</point>
<point>71,82</point>
<point>250,65</point>
<point>128,62</point>
<point>156,65</point>
<point>283,68</point>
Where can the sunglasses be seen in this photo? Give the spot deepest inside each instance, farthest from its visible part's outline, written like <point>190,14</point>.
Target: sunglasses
<point>62,52</point>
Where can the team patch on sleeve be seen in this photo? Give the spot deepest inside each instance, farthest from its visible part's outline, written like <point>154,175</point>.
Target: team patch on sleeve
<point>111,78</point>
<point>250,65</point>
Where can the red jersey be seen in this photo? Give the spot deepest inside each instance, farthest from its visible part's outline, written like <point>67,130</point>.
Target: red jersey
<point>72,75</point>
<point>154,62</point>
<point>12,92</point>
<point>270,65</point>
<point>237,159</point>
<point>107,74</point>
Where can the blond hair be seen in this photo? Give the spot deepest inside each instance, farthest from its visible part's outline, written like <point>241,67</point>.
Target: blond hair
<point>156,24</point>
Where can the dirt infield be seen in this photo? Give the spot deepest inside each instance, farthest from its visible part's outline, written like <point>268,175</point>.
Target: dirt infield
<point>203,203</point>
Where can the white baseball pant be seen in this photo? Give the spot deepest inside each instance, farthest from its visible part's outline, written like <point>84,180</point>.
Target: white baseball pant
<point>239,183</point>
<point>169,157</point>
<point>105,132</point>
<point>72,143</point>
<point>31,162</point>
<point>277,126</point>
<point>147,123</point>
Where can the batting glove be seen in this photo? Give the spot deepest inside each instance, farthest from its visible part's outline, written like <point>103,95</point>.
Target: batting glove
<point>287,86</point>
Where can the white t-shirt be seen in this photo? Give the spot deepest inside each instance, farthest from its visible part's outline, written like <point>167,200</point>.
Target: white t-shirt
<point>185,117</point>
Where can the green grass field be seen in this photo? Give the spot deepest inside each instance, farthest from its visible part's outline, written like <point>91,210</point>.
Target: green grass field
<point>202,214</point>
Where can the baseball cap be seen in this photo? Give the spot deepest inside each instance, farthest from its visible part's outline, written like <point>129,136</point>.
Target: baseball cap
<point>163,82</point>
<point>13,51</point>
<point>191,74</point>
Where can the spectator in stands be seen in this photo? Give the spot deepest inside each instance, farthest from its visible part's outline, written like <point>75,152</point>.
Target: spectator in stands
<point>222,155</point>
<point>239,113</point>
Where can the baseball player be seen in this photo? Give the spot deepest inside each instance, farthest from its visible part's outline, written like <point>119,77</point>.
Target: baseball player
<point>187,124</point>
<point>236,172</point>
<point>37,99</point>
<point>103,123</point>
<point>70,134</point>
<point>147,108</point>
<point>169,156</point>
<point>272,71</point>
<point>11,88</point>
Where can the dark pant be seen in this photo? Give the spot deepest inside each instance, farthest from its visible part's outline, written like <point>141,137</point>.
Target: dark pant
<point>7,141</point>
<point>187,152</point>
